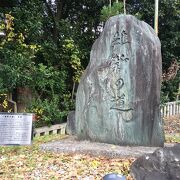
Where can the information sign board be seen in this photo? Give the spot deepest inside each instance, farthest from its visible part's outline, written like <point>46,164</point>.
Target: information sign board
<point>15,128</point>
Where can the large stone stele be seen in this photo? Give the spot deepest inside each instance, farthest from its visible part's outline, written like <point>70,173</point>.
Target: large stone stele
<point>118,98</point>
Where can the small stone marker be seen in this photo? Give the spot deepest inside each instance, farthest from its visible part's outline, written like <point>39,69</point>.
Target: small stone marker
<point>118,98</point>
<point>70,127</point>
<point>16,128</point>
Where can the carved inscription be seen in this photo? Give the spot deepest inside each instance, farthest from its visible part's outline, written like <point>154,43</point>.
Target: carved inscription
<point>118,93</point>
<point>112,77</point>
<point>124,37</point>
<point>119,83</point>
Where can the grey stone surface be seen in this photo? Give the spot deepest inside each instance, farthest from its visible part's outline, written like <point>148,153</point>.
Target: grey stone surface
<point>70,127</point>
<point>163,164</point>
<point>118,96</point>
<point>71,145</point>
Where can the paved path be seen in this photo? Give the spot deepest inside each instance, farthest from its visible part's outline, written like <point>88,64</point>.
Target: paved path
<point>72,146</point>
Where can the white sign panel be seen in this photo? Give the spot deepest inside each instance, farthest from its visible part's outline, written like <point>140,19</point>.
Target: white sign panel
<point>15,128</point>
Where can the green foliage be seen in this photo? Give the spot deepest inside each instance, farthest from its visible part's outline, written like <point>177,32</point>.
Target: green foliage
<point>51,111</point>
<point>107,11</point>
<point>164,96</point>
<point>72,52</point>
<point>46,47</point>
<point>29,18</point>
<point>48,80</point>
<point>22,65</point>
<point>170,89</point>
<point>16,58</point>
<point>169,36</point>
<point>4,103</point>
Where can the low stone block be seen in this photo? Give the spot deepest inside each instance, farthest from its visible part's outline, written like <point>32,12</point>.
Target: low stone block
<point>70,127</point>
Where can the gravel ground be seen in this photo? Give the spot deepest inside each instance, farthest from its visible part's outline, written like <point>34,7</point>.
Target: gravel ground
<point>72,146</point>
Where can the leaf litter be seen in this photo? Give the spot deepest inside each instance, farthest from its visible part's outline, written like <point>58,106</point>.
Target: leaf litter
<point>29,163</point>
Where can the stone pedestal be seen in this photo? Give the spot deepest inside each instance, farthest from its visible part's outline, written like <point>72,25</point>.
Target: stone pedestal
<point>118,98</point>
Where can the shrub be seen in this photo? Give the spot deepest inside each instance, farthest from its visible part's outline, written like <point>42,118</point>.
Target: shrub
<point>51,111</point>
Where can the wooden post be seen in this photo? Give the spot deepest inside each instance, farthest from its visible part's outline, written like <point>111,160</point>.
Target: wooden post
<point>156,16</point>
<point>124,2</point>
<point>110,5</point>
<point>9,98</point>
<point>117,3</point>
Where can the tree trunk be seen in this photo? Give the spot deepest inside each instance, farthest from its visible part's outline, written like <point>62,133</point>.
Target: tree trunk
<point>56,16</point>
<point>24,97</point>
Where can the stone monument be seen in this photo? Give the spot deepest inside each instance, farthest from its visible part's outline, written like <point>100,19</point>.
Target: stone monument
<point>118,98</point>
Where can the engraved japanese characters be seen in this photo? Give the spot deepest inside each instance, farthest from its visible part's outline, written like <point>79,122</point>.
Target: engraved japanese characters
<point>115,85</point>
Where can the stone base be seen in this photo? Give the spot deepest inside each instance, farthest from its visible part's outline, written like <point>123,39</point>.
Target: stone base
<point>71,145</point>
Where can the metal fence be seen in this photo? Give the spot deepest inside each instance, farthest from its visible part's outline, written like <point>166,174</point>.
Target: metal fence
<point>170,109</point>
